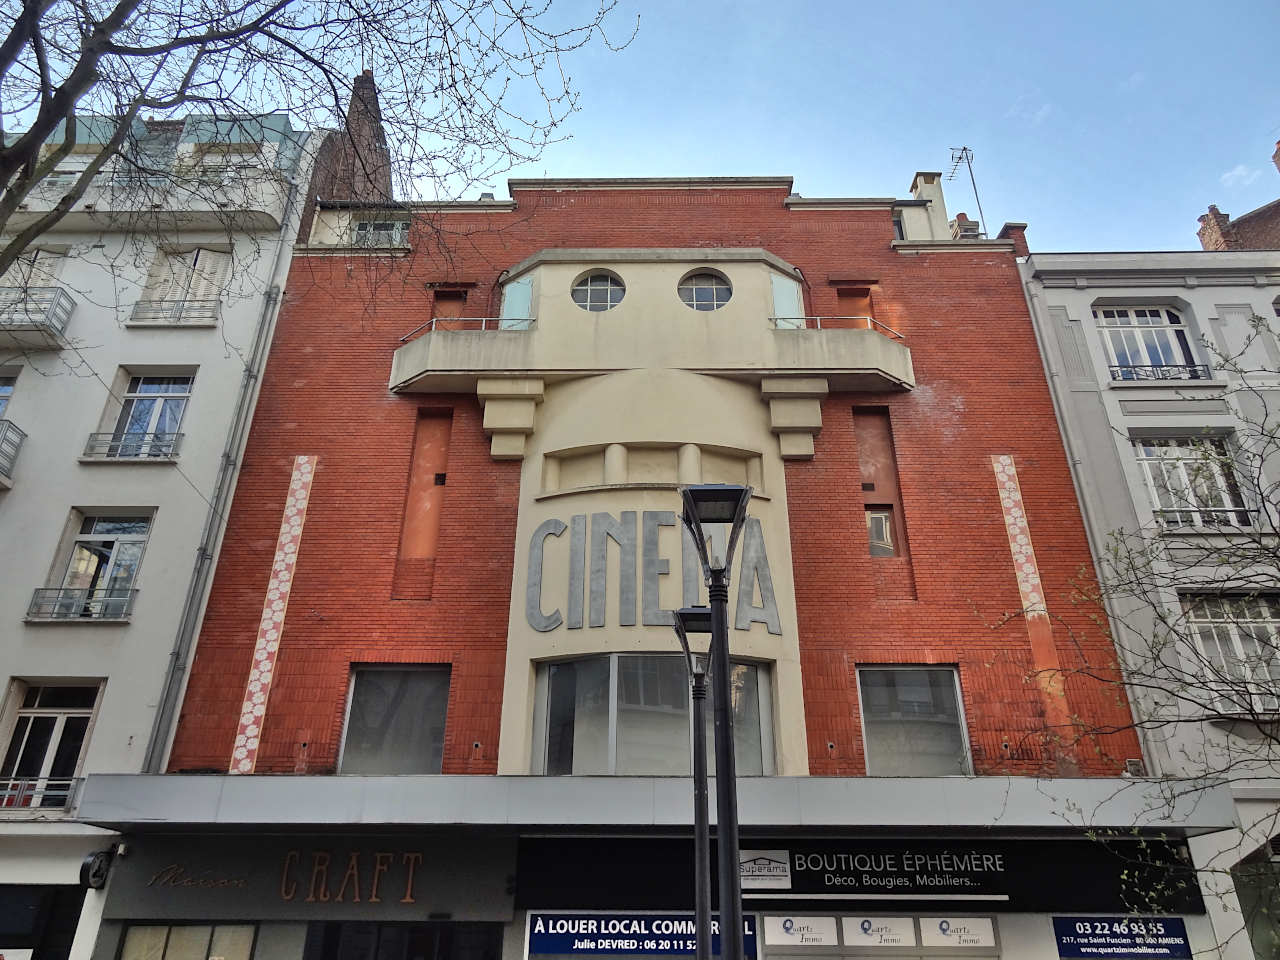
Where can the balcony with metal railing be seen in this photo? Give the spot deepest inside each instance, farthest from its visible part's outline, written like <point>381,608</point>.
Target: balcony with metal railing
<point>151,447</point>
<point>175,313</point>
<point>76,605</point>
<point>10,444</point>
<point>1173,371</point>
<point>835,323</point>
<point>34,318</point>
<point>24,796</point>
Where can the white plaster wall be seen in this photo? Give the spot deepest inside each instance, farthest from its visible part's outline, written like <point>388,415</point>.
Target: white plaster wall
<point>59,399</point>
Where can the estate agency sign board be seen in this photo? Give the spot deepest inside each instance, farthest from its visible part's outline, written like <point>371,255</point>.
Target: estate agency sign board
<point>1121,938</point>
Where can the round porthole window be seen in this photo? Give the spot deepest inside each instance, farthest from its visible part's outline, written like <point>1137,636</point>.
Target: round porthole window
<point>598,291</point>
<point>705,291</point>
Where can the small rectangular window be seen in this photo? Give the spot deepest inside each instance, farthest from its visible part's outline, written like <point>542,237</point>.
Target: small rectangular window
<point>880,532</point>
<point>380,233</point>
<point>912,724</point>
<point>395,721</point>
<point>898,233</point>
<point>46,745</point>
<point>6,391</point>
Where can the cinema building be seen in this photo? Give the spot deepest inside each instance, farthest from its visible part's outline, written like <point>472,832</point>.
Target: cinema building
<point>436,708</point>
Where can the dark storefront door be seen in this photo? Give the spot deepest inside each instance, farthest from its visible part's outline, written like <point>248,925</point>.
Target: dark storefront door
<point>403,941</point>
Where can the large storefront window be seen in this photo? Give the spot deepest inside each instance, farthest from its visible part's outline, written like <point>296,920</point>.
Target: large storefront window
<point>1257,885</point>
<point>629,714</point>
<point>224,941</point>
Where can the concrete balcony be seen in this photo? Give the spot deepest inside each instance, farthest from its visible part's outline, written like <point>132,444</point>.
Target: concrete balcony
<point>10,444</point>
<point>451,355</point>
<point>34,318</point>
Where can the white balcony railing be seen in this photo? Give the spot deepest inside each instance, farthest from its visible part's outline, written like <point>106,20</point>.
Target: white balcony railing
<point>470,323</point>
<point>43,310</point>
<point>834,323</point>
<point>176,313</point>
<point>10,443</point>
<point>37,793</point>
<point>75,604</point>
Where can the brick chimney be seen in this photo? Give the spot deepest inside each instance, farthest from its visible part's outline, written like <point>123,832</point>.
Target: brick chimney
<point>1275,157</point>
<point>1213,228</point>
<point>1017,232</point>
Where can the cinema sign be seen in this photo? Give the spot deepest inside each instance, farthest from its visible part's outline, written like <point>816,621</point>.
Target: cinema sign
<point>635,536</point>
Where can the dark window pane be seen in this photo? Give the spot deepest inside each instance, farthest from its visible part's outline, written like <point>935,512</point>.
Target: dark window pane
<point>911,723</point>
<point>68,753</point>
<point>396,723</point>
<point>69,697</point>
<point>15,746</point>
<point>33,752</point>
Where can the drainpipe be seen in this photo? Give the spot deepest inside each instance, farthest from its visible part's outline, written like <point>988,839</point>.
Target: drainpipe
<point>188,624</point>
<point>1073,463</point>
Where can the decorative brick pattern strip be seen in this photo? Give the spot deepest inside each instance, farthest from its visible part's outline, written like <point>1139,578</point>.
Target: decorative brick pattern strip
<point>244,756</point>
<point>1015,524</point>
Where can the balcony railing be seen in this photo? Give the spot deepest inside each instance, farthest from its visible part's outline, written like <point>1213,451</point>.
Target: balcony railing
<point>43,309</point>
<point>133,446</point>
<point>66,603</point>
<point>176,312</point>
<point>1215,518</point>
<point>45,793</point>
<point>834,323</point>
<point>1185,371</point>
<point>470,323</point>
<point>10,443</point>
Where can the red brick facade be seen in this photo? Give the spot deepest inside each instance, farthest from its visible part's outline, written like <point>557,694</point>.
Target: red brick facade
<point>981,392</point>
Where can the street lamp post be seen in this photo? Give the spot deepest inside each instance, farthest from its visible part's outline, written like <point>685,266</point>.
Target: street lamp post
<point>706,507</point>
<point>695,620</point>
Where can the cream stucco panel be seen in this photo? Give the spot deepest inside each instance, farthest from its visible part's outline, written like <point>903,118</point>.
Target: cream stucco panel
<point>648,429</point>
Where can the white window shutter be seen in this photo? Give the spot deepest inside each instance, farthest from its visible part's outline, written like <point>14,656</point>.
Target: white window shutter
<point>35,268</point>
<point>170,276</point>
<point>788,307</point>
<point>209,274</point>
<point>517,304</point>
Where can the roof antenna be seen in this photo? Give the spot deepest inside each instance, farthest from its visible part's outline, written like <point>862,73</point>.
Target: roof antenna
<point>964,155</point>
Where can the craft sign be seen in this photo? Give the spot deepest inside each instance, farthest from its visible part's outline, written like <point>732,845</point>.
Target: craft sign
<point>1121,938</point>
<point>612,934</point>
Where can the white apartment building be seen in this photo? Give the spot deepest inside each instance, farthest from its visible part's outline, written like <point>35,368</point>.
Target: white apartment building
<point>1165,371</point>
<point>132,336</point>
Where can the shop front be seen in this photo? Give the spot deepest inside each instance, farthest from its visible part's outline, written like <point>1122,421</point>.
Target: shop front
<point>847,898</point>
<point>309,897</point>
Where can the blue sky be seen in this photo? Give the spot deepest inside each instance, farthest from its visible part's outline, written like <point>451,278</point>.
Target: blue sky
<point>1105,126</point>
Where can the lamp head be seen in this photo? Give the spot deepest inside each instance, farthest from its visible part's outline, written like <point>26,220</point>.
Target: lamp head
<point>709,504</point>
<point>692,621</point>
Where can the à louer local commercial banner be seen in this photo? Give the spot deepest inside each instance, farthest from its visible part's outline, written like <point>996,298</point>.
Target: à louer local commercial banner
<point>607,934</point>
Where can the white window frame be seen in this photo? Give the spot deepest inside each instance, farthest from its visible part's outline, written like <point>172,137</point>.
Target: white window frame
<point>9,790</point>
<point>359,668</point>
<point>903,667</point>
<point>764,690</point>
<point>93,607</point>
<point>150,443</point>
<point>8,384</point>
<point>698,279</point>
<point>1145,328</point>
<point>1194,467</point>
<point>387,232</point>
<point>1242,674</point>
<point>595,303</point>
